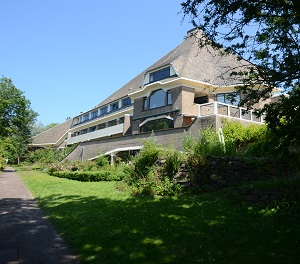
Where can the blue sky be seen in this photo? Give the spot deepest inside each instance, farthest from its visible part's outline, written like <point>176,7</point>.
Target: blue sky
<point>69,55</point>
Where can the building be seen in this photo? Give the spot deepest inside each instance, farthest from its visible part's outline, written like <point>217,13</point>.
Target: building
<point>186,90</point>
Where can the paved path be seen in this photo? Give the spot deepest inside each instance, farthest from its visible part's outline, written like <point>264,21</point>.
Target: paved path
<point>26,236</point>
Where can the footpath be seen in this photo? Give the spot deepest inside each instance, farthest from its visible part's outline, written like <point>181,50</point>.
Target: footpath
<point>26,235</point>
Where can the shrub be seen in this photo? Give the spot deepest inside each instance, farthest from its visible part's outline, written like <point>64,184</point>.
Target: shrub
<point>102,161</point>
<point>46,155</point>
<point>2,163</point>
<point>172,162</point>
<point>147,157</point>
<point>90,176</point>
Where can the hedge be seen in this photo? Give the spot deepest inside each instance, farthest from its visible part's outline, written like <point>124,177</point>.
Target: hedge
<point>90,176</point>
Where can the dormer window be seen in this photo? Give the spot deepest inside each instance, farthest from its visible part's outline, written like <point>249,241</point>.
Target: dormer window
<point>159,75</point>
<point>114,106</point>
<point>86,117</point>
<point>126,102</point>
<point>103,110</point>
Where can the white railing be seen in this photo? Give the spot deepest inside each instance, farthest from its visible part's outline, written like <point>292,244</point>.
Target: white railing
<point>216,108</point>
<point>109,131</point>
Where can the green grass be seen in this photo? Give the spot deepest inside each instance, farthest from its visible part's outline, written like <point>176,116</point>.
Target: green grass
<point>104,225</point>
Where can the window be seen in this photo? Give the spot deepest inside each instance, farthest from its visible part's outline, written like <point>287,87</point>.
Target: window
<point>84,131</point>
<point>86,117</point>
<point>121,120</point>
<point>145,103</point>
<point>101,126</point>
<point>155,125</point>
<point>169,97</point>
<point>103,110</point>
<point>92,129</point>
<point>95,114</point>
<point>114,106</point>
<point>229,98</point>
<point>112,123</point>
<point>125,102</point>
<point>201,100</point>
<point>159,75</point>
<point>157,99</point>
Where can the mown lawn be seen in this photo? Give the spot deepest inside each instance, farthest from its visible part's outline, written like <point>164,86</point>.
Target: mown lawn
<point>104,225</point>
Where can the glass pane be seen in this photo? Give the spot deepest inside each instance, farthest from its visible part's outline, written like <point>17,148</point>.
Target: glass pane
<point>169,98</point>
<point>156,125</point>
<point>157,99</point>
<point>145,103</point>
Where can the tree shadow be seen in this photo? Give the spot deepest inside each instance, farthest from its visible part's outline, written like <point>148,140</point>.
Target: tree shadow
<point>194,229</point>
<point>27,236</point>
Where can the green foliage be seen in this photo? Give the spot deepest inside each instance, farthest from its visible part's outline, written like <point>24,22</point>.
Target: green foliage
<point>173,160</point>
<point>105,225</point>
<point>241,140</point>
<point>145,177</point>
<point>102,161</point>
<point>39,127</point>
<point>46,156</point>
<point>16,119</point>
<point>2,163</point>
<point>91,176</point>
<point>144,161</point>
<point>267,33</point>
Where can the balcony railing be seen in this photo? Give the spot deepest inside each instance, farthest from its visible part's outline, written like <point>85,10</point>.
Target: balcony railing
<point>109,131</point>
<point>101,115</point>
<point>216,108</point>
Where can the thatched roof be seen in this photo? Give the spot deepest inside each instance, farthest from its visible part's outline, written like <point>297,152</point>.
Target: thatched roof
<point>53,135</point>
<point>192,62</point>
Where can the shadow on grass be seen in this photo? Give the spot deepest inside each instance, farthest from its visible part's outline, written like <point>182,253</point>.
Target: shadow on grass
<point>206,229</point>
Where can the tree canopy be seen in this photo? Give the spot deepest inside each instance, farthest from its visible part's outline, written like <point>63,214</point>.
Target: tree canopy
<point>16,120</point>
<point>267,34</point>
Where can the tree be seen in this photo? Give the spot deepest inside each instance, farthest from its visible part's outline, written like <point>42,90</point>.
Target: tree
<point>267,34</point>
<point>16,119</point>
<point>39,127</point>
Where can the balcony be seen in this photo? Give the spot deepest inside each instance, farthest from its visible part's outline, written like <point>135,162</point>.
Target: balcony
<point>216,108</point>
<point>109,131</point>
<point>102,115</point>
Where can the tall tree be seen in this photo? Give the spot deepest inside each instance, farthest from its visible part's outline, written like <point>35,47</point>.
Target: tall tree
<point>267,34</point>
<point>16,119</point>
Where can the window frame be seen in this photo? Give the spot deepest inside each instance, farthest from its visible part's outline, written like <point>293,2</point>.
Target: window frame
<point>153,93</point>
<point>160,74</point>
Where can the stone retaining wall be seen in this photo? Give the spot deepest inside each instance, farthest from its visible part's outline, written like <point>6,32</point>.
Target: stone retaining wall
<point>223,172</point>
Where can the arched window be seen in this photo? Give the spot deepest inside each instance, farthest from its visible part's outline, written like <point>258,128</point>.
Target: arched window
<point>157,99</point>
<point>157,124</point>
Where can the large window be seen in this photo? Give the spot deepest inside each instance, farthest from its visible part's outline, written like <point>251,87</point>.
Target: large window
<point>157,99</point>
<point>125,102</point>
<point>103,110</point>
<point>159,75</point>
<point>158,124</point>
<point>229,98</point>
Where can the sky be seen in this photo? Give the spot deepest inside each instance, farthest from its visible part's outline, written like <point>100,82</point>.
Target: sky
<point>69,55</point>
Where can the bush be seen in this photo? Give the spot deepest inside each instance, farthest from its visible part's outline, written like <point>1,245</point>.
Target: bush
<point>102,161</point>
<point>147,157</point>
<point>172,163</point>
<point>143,176</point>
<point>2,163</point>
<point>90,176</point>
<point>46,155</point>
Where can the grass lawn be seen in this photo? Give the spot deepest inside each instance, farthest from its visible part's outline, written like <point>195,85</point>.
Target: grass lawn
<point>104,225</point>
